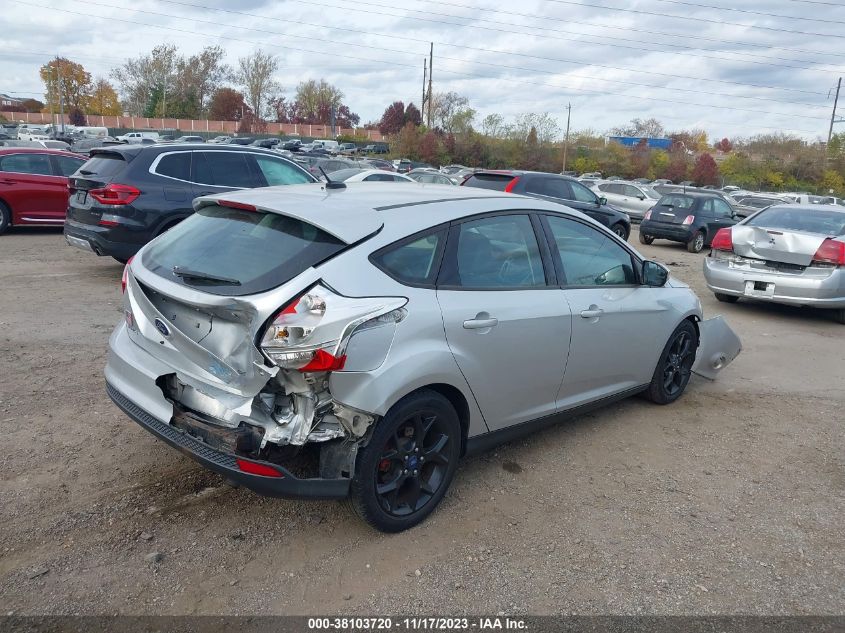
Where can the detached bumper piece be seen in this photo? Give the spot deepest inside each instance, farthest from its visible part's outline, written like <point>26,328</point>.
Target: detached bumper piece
<point>263,477</point>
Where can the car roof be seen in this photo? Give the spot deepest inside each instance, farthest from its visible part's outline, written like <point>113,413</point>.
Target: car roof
<point>40,150</point>
<point>522,172</point>
<point>695,194</point>
<point>360,209</point>
<point>809,208</point>
<point>134,148</point>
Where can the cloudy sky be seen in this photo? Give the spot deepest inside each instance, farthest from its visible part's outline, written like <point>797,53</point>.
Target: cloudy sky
<point>731,67</point>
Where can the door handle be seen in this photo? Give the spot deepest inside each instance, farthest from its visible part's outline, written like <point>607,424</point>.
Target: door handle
<point>480,324</point>
<point>592,312</point>
<point>6,181</point>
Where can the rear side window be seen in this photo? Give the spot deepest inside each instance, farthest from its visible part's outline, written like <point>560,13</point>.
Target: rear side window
<point>496,182</point>
<point>551,187</point>
<point>495,252</point>
<point>68,165</point>
<point>235,252</point>
<point>103,166</point>
<point>223,169</point>
<point>414,261</point>
<point>278,172</point>
<point>36,164</point>
<point>791,219</point>
<point>177,165</point>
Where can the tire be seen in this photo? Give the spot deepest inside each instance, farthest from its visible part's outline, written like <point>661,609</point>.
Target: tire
<point>726,298</point>
<point>839,316</point>
<point>621,230</point>
<point>120,259</point>
<point>696,243</point>
<point>645,239</point>
<point>672,374</point>
<point>385,492</point>
<point>5,218</point>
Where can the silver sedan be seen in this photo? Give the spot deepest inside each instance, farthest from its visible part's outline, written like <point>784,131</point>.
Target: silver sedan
<point>790,254</point>
<point>334,340</point>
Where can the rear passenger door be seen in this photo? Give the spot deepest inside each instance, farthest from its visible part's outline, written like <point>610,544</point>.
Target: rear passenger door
<point>616,322</point>
<point>506,323</point>
<point>32,189</point>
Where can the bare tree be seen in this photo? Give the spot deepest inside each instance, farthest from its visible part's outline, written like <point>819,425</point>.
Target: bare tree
<point>147,75</point>
<point>255,74</point>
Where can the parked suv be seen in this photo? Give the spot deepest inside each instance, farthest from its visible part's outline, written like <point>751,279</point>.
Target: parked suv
<point>633,198</point>
<point>556,188</point>
<point>692,218</point>
<point>125,196</point>
<point>359,341</point>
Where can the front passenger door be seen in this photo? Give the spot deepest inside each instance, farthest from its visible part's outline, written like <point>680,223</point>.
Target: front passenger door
<point>616,322</point>
<point>506,325</point>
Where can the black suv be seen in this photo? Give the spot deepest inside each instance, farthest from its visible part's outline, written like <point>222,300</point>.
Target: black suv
<point>124,196</point>
<point>688,217</point>
<point>555,188</point>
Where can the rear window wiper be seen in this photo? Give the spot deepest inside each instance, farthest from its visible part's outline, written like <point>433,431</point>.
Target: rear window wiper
<point>186,274</point>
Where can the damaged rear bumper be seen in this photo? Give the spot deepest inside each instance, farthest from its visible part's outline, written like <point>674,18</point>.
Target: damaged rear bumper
<point>286,485</point>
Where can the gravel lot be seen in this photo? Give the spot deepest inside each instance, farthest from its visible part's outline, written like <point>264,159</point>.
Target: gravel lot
<point>729,501</point>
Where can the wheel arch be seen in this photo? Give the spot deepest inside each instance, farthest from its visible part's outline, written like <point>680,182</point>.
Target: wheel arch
<point>458,402</point>
<point>5,203</point>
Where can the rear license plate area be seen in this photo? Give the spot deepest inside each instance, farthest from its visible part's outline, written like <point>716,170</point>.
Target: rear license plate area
<point>80,197</point>
<point>759,289</point>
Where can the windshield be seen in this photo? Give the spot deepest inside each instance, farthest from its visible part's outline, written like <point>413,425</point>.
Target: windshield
<point>238,252</point>
<point>679,202</point>
<point>806,220</point>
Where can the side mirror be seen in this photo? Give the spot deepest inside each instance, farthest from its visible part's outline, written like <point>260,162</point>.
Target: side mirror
<point>654,274</point>
<point>641,197</point>
<point>602,201</point>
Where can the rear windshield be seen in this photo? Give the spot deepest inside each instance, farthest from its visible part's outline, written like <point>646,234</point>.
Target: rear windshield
<point>497,182</point>
<point>227,251</point>
<point>103,166</point>
<point>679,202</point>
<point>809,221</point>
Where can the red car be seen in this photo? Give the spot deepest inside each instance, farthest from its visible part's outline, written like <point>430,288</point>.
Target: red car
<point>33,185</point>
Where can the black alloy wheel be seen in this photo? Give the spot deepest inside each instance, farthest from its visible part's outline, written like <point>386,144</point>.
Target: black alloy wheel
<point>674,369</point>
<point>404,471</point>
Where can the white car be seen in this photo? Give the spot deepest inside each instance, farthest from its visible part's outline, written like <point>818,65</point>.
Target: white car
<point>138,137</point>
<point>32,133</point>
<point>633,198</point>
<point>367,175</point>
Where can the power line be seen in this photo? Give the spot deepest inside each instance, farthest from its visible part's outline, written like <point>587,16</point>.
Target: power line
<point>604,25</point>
<point>509,30</point>
<point>495,65</point>
<point>752,12</point>
<point>323,52</point>
<point>509,53</point>
<point>695,19</point>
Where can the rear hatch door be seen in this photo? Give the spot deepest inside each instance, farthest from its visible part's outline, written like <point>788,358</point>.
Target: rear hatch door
<point>201,292</point>
<point>102,168</point>
<point>673,209</point>
<point>489,180</point>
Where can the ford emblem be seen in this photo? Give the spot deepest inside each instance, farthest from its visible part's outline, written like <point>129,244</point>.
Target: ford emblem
<point>161,326</point>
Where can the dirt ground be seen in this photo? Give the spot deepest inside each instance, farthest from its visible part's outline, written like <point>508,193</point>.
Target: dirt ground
<point>729,501</point>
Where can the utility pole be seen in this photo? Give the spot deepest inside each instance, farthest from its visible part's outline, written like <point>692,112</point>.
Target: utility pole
<point>425,74</point>
<point>833,116</point>
<point>430,74</point>
<point>61,97</point>
<point>566,138</point>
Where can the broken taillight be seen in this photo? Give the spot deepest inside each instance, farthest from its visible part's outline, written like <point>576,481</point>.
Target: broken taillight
<point>311,332</point>
<point>647,215</point>
<point>125,275</point>
<point>830,252</point>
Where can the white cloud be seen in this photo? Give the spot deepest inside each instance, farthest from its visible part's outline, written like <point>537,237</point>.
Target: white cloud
<point>731,79</point>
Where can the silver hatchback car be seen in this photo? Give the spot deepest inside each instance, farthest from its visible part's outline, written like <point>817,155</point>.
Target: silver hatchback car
<point>330,341</point>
